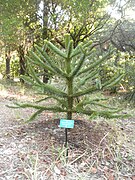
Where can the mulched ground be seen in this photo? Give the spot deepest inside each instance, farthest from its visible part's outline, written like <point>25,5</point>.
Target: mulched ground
<point>96,150</point>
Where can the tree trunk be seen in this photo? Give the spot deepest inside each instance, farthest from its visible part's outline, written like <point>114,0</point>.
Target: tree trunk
<point>8,58</point>
<point>45,76</point>
<point>45,18</point>
<point>44,33</point>
<point>21,61</point>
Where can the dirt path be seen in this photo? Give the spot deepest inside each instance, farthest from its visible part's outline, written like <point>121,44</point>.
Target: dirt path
<point>24,148</point>
<point>9,143</point>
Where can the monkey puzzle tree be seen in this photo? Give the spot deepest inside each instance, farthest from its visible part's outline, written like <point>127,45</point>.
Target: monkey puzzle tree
<point>78,70</point>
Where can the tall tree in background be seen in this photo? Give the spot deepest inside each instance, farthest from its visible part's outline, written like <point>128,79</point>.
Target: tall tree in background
<point>8,58</point>
<point>45,32</point>
<point>9,24</point>
<point>18,28</point>
<point>81,19</point>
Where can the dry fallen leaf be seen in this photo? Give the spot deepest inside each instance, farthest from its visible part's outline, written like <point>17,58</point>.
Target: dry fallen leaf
<point>93,170</point>
<point>57,171</point>
<point>109,176</point>
<point>63,172</point>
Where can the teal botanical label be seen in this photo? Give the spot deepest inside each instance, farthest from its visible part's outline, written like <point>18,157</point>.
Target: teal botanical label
<point>65,123</point>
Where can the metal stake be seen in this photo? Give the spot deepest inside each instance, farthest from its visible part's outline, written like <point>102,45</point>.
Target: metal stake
<point>66,144</point>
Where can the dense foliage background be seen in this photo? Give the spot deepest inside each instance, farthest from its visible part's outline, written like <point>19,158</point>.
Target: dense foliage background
<point>108,24</point>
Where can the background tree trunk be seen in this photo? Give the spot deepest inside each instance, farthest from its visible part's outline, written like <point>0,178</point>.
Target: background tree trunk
<point>8,59</point>
<point>45,33</point>
<point>21,61</point>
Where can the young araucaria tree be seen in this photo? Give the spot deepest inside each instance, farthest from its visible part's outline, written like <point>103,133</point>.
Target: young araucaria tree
<point>78,72</point>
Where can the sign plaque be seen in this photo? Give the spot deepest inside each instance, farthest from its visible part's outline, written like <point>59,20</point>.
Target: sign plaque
<point>65,123</point>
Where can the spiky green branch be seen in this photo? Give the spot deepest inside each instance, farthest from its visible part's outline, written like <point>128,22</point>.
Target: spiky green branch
<point>80,79</point>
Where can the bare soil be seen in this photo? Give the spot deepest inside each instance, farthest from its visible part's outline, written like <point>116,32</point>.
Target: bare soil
<point>98,150</point>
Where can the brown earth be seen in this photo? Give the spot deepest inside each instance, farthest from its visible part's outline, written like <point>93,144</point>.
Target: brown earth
<point>97,149</point>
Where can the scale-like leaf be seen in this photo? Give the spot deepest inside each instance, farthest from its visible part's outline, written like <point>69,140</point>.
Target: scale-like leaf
<point>105,106</point>
<point>94,65</point>
<point>56,50</point>
<point>69,49</point>
<point>43,54</point>
<point>84,111</point>
<point>75,51</point>
<point>85,91</point>
<point>108,114</point>
<point>33,117</point>
<point>34,75</point>
<point>61,101</point>
<point>43,99</point>
<point>85,79</point>
<point>113,81</point>
<point>98,83</point>
<point>97,99</point>
<point>67,40</point>
<point>50,89</point>
<point>87,44</point>
<point>50,61</point>
<point>78,67</point>
<point>89,102</point>
<point>27,79</point>
<point>40,64</point>
<point>39,107</point>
